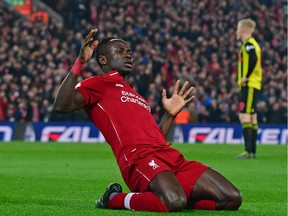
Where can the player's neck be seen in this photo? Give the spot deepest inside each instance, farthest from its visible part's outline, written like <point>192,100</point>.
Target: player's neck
<point>246,37</point>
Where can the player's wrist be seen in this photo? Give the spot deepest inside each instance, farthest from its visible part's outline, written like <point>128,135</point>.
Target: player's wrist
<point>77,67</point>
<point>170,115</point>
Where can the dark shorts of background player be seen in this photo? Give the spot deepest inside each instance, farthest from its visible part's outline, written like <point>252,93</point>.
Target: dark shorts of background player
<point>143,165</point>
<point>248,100</point>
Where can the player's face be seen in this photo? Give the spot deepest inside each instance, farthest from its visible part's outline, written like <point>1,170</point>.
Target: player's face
<point>119,57</point>
<point>240,31</point>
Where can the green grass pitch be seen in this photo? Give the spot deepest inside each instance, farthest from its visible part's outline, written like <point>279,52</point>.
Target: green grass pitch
<point>66,178</point>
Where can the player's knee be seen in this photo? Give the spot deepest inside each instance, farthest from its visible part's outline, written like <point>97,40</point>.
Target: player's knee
<point>175,201</point>
<point>245,118</point>
<point>235,200</point>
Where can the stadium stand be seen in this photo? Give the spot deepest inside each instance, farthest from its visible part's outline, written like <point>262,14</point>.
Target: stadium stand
<point>186,40</point>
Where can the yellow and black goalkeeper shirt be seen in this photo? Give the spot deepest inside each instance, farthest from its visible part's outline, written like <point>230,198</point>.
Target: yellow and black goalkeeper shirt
<point>249,64</point>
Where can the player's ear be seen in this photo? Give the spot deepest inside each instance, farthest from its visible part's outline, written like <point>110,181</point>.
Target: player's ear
<point>102,60</point>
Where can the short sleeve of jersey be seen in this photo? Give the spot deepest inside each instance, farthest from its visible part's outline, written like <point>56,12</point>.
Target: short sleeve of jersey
<point>90,89</point>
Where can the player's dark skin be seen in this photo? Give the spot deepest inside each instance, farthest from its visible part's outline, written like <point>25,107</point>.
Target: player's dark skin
<point>210,186</point>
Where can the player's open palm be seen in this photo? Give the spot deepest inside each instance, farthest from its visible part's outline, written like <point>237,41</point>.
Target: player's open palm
<point>178,100</point>
<point>88,46</point>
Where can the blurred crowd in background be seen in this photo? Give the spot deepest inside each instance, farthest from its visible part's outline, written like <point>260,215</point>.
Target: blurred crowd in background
<point>171,39</point>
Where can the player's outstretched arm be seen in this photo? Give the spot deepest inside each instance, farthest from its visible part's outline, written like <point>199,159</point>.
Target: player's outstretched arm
<point>174,104</point>
<point>67,98</point>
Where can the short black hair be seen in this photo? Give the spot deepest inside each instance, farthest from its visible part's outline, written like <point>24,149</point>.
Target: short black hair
<point>100,49</point>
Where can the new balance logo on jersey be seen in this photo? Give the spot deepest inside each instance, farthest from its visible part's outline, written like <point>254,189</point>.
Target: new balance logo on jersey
<point>153,164</point>
<point>78,85</point>
<point>249,47</point>
<point>119,85</point>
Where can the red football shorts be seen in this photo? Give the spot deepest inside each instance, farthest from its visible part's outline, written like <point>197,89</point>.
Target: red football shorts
<point>141,166</point>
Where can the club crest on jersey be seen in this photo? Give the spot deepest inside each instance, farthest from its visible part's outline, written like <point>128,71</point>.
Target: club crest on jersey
<point>153,164</point>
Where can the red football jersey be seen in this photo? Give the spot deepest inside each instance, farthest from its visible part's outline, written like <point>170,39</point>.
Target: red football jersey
<point>120,113</point>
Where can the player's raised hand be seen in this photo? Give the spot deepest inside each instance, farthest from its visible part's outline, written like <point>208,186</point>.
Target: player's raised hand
<point>88,46</point>
<point>178,100</point>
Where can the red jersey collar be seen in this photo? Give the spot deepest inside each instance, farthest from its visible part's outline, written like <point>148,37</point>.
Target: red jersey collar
<point>114,74</point>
